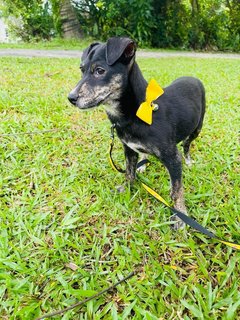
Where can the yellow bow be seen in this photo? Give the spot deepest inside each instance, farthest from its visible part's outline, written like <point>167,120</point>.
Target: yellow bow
<point>146,108</point>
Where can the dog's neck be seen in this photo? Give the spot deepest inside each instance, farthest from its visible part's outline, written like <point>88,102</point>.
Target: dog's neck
<point>134,94</point>
<point>138,85</point>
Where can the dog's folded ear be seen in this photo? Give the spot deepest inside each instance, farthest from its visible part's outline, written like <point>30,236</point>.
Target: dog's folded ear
<point>117,48</point>
<point>88,50</point>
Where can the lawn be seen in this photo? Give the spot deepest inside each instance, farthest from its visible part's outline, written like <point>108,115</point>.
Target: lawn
<point>65,231</point>
<point>54,44</point>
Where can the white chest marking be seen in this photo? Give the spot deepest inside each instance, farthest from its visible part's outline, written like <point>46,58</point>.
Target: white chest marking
<point>137,147</point>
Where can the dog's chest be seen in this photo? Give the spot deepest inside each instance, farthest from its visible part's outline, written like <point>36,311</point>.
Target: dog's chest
<point>135,144</point>
<point>135,141</point>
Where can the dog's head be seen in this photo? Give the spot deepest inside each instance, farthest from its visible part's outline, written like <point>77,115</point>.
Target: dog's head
<point>105,68</point>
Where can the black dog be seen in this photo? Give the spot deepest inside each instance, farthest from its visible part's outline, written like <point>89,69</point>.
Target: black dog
<point>111,76</point>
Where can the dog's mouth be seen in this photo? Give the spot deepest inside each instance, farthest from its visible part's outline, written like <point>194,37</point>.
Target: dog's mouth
<point>81,103</point>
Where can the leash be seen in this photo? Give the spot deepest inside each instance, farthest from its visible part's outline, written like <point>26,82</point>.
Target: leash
<point>186,219</point>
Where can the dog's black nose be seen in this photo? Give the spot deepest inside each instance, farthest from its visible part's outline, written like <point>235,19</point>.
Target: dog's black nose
<point>72,97</point>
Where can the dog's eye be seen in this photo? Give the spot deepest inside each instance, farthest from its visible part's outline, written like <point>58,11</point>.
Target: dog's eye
<point>99,71</point>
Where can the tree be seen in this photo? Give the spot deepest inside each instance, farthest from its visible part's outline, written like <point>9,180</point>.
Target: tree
<point>69,21</point>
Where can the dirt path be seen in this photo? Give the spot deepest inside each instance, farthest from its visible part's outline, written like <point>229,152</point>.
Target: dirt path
<point>141,54</point>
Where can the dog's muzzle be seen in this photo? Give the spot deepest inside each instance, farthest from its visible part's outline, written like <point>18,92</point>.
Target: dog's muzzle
<point>73,97</point>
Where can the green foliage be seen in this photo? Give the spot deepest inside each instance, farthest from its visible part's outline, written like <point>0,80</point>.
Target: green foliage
<point>171,24</point>
<point>204,25</point>
<point>216,25</point>
<point>177,23</point>
<point>55,11</point>
<point>107,18</point>
<point>29,19</point>
<point>59,204</point>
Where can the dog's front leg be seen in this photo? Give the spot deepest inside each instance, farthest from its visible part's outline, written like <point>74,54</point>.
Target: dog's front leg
<point>173,162</point>
<point>131,163</point>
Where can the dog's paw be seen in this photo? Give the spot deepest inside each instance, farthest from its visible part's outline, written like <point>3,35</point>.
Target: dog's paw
<point>188,160</point>
<point>142,169</point>
<point>120,189</point>
<point>177,223</point>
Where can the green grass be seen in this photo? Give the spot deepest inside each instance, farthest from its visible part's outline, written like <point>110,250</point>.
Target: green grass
<point>67,44</point>
<point>54,44</point>
<point>78,44</point>
<point>59,44</point>
<point>59,203</point>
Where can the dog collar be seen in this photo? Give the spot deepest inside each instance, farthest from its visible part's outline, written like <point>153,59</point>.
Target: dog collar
<point>146,108</point>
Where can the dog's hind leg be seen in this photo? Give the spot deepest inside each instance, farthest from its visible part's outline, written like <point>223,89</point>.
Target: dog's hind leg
<point>186,148</point>
<point>186,143</point>
<point>173,162</point>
